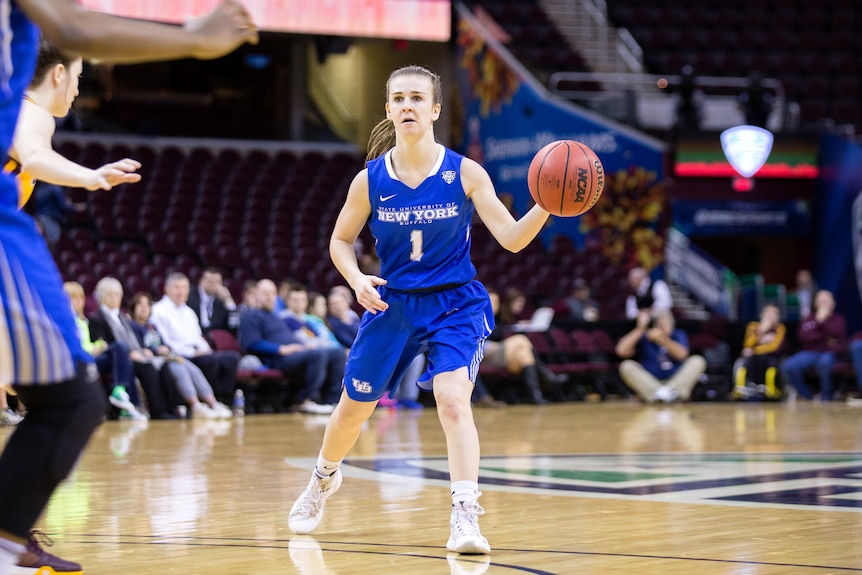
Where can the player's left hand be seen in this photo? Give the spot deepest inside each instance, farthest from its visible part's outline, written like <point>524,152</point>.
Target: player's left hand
<point>116,173</point>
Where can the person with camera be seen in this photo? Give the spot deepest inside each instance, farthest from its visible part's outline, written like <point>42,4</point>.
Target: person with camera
<point>663,370</point>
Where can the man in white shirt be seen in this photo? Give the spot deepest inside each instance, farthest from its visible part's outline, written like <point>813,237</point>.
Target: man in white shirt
<point>178,325</point>
<point>647,294</point>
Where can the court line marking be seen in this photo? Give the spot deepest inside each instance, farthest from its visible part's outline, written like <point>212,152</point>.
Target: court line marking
<point>720,487</point>
<point>193,542</point>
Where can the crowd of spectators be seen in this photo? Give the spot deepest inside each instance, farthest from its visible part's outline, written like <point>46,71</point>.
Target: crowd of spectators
<point>158,359</point>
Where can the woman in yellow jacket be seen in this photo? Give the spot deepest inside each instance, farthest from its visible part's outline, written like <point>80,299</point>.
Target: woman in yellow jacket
<point>756,370</point>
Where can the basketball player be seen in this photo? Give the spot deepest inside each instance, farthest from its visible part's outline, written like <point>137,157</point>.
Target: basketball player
<point>40,354</point>
<point>420,197</point>
<point>52,90</point>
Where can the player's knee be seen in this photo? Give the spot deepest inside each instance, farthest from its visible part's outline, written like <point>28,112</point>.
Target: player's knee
<point>452,406</point>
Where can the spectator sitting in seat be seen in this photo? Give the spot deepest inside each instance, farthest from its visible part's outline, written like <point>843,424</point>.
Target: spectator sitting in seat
<point>281,299</point>
<point>578,306</point>
<point>822,334</point>
<point>664,370</point>
<point>342,320</point>
<point>249,297</point>
<point>50,207</point>
<point>111,324</point>
<point>651,296</point>
<point>514,310</point>
<point>856,354</point>
<point>213,304</point>
<point>515,353</point>
<point>756,370</point>
<point>318,319</point>
<point>805,290</point>
<point>264,334</point>
<point>178,325</point>
<point>111,359</point>
<point>191,382</point>
<point>296,319</point>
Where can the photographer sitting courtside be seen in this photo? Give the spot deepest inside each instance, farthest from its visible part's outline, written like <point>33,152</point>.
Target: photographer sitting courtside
<point>664,370</point>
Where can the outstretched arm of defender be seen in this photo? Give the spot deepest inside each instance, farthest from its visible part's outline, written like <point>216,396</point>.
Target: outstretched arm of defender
<point>91,34</point>
<point>31,147</point>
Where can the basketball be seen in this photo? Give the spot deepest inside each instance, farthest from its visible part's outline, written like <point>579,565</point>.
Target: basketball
<point>566,178</point>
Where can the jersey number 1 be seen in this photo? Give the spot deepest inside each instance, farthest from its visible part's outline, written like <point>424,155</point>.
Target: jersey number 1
<point>416,252</point>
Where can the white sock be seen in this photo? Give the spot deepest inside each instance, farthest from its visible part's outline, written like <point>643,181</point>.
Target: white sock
<point>464,491</point>
<point>326,468</point>
<point>9,554</point>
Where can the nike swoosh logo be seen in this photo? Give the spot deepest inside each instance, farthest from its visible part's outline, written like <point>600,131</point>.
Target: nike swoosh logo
<point>386,198</point>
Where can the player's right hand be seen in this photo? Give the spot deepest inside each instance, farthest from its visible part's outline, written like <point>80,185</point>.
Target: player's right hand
<point>367,294</point>
<point>223,30</point>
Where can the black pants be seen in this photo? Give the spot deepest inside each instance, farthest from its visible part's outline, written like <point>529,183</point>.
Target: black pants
<point>756,366</point>
<point>220,368</point>
<point>45,446</point>
<point>160,389</point>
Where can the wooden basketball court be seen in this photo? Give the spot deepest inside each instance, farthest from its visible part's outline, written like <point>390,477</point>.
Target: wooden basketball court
<point>568,488</point>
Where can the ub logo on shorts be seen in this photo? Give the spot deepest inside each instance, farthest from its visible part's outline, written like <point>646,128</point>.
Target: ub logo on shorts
<point>449,176</point>
<point>361,386</point>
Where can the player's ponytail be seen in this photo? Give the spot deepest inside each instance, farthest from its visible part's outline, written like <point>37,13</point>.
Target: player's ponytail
<point>381,140</point>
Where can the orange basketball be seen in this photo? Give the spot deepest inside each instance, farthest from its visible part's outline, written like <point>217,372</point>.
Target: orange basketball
<point>566,178</point>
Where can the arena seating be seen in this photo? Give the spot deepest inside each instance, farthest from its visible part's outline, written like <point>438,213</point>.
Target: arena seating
<point>265,214</point>
<point>812,50</point>
<point>535,41</point>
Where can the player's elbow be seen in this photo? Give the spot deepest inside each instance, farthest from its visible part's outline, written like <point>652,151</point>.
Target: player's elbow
<point>514,246</point>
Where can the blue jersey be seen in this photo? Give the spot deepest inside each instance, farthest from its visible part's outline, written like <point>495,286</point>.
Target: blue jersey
<point>19,46</point>
<point>38,336</point>
<point>422,234</point>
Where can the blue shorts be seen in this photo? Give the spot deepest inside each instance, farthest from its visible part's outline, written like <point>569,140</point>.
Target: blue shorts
<point>38,337</point>
<point>451,325</point>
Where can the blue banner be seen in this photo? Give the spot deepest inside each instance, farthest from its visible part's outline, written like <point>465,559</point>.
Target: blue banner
<point>509,117</point>
<point>838,226</point>
<point>727,218</point>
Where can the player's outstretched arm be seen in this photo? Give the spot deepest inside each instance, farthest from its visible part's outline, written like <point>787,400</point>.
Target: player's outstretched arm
<point>351,220</point>
<point>31,147</point>
<point>92,34</point>
<point>514,235</point>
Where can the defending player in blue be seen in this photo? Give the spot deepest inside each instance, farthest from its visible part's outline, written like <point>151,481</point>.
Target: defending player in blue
<point>40,354</point>
<point>420,198</point>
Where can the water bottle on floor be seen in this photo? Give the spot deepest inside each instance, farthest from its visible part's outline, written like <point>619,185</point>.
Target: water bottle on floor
<point>238,407</point>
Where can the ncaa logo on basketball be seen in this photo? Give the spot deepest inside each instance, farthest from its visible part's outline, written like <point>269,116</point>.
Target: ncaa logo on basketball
<point>361,386</point>
<point>448,176</point>
<point>746,148</point>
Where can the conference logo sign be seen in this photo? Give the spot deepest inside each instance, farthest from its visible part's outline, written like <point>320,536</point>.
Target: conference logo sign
<point>746,148</point>
<point>792,480</point>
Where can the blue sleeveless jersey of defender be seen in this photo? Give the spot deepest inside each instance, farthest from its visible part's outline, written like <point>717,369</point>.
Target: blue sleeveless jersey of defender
<point>422,234</point>
<point>38,337</point>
